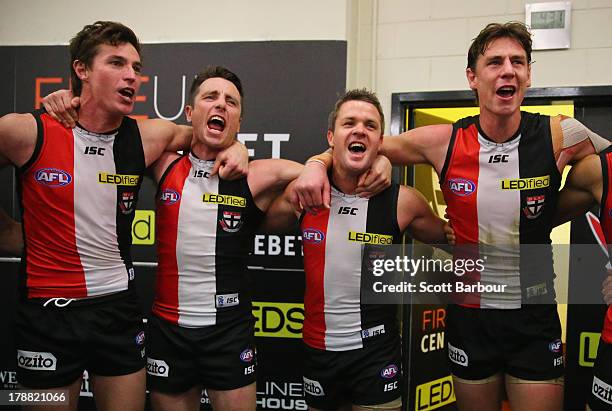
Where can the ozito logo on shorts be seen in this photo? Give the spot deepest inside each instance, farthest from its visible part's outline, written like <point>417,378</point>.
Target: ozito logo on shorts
<point>312,236</point>
<point>52,177</point>
<point>602,390</point>
<point>168,197</point>
<point>461,186</point>
<point>247,355</point>
<point>313,387</point>
<point>32,360</point>
<point>555,346</point>
<point>457,355</point>
<point>158,368</point>
<point>140,338</point>
<point>390,371</point>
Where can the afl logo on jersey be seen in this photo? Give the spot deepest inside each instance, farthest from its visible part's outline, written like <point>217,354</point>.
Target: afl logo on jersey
<point>461,186</point>
<point>247,355</point>
<point>312,236</point>
<point>389,371</point>
<point>169,197</point>
<point>52,177</point>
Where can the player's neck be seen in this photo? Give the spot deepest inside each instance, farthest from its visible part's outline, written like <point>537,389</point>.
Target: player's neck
<point>203,152</point>
<point>500,128</point>
<point>344,181</point>
<point>93,118</point>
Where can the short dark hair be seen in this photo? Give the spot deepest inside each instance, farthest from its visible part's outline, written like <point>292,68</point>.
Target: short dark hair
<point>84,46</point>
<point>213,72</point>
<point>493,31</point>
<point>360,94</point>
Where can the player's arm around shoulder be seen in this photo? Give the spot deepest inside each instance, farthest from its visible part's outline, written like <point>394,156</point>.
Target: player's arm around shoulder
<point>159,167</point>
<point>17,138</point>
<point>582,189</point>
<point>281,214</point>
<point>415,216</point>
<point>421,145</point>
<point>162,135</point>
<point>268,178</point>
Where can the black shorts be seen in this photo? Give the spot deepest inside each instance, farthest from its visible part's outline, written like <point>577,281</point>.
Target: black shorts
<point>56,342</point>
<point>600,397</point>
<point>220,357</point>
<point>524,343</point>
<point>365,376</point>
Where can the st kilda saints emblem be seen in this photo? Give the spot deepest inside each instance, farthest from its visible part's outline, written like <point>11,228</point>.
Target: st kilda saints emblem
<point>126,202</point>
<point>231,221</point>
<point>534,207</point>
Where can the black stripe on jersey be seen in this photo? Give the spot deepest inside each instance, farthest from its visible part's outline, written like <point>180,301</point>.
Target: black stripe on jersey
<point>40,131</point>
<point>233,246</point>
<point>381,219</point>
<point>165,174</point>
<point>129,159</point>
<point>461,124</point>
<point>536,158</point>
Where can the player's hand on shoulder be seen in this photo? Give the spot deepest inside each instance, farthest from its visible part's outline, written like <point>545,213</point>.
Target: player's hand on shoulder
<point>233,162</point>
<point>311,191</point>
<point>376,179</point>
<point>62,105</point>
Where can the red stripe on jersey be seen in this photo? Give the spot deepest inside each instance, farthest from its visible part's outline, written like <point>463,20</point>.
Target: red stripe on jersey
<point>53,265</point>
<point>460,190</point>
<point>314,239</point>
<point>168,206</point>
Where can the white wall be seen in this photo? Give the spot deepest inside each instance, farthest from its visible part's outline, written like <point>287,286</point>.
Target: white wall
<point>28,22</point>
<point>421,45</point>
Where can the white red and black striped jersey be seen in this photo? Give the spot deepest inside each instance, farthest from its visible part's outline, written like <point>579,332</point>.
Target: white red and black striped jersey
<point>205,227</point>
<point>502,197</point>
<point>605,217</point>
<point>78,194</point>
<point>336,319</point>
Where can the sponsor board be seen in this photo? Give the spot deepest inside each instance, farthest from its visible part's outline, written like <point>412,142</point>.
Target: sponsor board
<point>143,227</point>
<point>434,394</point>
<point>589,342</point>
<point>281,320</point>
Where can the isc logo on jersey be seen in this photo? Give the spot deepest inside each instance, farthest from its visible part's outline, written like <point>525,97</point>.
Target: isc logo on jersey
<point>52,177</point>
<point>168,197</point>
<point>461,186</point>
<point>312,236</point>
<point>32,360</point>
<point>226,300</point>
